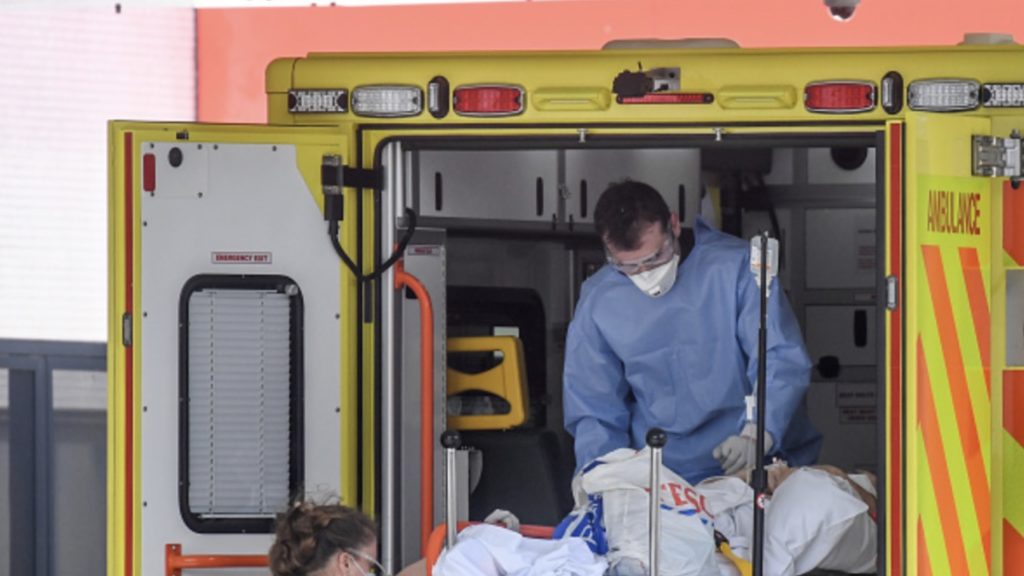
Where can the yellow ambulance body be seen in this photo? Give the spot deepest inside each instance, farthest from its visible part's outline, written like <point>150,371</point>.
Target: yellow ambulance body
<point>891,175</point>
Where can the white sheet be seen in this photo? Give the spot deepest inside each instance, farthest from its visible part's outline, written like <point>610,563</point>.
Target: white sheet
<point>485,550</point>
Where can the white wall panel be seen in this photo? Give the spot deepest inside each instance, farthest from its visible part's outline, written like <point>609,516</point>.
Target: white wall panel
<point>66,72</point>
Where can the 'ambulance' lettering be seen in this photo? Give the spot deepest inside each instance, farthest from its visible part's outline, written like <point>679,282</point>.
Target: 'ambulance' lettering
<point>954,212</point>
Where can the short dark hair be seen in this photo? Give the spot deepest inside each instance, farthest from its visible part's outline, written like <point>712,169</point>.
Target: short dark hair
<point>625,209</point>
<point>309,534</point>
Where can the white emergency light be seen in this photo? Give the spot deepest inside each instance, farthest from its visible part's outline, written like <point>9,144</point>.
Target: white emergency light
<point>317,101</point>
<point>772,261</point>
<point>1003,95</point>
<point>387,101</point>
<point>944,95</point>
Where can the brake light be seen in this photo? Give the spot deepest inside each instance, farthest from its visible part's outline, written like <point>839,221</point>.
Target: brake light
<point>943,95</point>
<point>668,98</point>
<point>840,97</point>
<point>387,101</point>
<point>489,100</point>
<point>1003,95</point>
<point>317,101</point>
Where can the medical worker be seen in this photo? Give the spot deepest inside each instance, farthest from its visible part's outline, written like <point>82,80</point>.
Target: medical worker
<point>668,337</point>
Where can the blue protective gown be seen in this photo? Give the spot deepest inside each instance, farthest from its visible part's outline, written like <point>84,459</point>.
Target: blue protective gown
<point>684,362</point>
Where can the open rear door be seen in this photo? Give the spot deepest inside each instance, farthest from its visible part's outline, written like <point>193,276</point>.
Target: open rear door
<point>231,368</point>
<point>960,444</point>
<point>1008,359</point>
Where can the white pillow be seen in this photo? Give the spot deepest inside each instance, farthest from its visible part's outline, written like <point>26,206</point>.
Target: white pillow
<point>816,520</point>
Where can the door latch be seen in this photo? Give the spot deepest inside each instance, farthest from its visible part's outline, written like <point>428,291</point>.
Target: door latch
<point>891,292</point>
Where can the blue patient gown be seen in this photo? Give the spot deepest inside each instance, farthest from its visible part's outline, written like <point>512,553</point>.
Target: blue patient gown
<point>684,362</point>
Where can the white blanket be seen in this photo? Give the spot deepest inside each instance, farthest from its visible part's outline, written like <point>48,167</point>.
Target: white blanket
<point>486,550</point>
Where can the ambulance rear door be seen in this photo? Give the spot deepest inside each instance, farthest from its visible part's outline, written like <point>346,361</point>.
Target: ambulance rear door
<point>962,440</point>
<point>231,368</point>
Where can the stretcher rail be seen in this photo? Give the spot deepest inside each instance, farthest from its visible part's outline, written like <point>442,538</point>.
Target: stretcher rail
<point>175,561</point>
<point>446,533</point>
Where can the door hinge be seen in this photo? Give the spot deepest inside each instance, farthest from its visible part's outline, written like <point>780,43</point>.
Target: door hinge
<point>126,329</point>
<point>891,292</point>
<point>997,157</point>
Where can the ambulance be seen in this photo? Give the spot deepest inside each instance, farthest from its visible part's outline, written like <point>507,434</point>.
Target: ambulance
<point>300,308</point>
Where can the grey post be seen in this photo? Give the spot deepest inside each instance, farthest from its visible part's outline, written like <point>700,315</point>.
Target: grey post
<point>450,440</point>
<point>656,440</point>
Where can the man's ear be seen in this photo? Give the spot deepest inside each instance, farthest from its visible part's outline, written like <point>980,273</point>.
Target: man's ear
<point>675,224</point>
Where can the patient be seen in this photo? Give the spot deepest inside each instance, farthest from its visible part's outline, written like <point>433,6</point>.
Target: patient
<point>326,540</point>
<point>818,517</point>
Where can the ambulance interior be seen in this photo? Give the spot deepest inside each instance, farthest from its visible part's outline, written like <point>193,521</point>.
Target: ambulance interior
<point>515,223</point>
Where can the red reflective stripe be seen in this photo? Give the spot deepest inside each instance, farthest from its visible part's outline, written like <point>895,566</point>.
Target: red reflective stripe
<point>895,468</point>
<point>1013,404</point>
<point>979,308</point>
<point>668,98</point>
<point>1013,550</point>
<point>129,465</point>
<point>1013,222</point>
<point>149,172</point>
<point>970,443</point>
<point>924,565</point>
<point>937,465</point>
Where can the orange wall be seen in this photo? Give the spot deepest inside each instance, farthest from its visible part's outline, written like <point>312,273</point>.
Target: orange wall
<point>235,45</point>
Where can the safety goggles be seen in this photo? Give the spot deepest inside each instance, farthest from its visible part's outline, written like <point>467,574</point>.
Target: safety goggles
<point>659,257</point>
<point>377,568</point>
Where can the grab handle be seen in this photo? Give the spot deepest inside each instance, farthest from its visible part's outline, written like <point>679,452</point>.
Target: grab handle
<point>405,280</point>
<point>175,561</point>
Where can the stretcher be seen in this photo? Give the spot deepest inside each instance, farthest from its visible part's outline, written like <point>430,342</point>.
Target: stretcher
<point>444,535</point>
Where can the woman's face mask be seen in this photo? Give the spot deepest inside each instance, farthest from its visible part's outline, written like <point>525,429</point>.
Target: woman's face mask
<point>659,280</point>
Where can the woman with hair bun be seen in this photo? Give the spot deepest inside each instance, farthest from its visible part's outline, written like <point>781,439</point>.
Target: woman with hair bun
<point>324,540</point>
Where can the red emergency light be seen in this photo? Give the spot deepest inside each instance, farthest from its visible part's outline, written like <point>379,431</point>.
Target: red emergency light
<point>841,97</point>
<point>489,100</point>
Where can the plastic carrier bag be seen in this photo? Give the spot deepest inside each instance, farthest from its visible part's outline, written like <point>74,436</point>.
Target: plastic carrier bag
<point>612,515</point>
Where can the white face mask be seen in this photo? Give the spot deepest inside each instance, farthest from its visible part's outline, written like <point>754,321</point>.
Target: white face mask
<point>657,281</point>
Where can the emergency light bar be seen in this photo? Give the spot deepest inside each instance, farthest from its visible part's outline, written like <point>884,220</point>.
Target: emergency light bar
<point>317,101</point>
<point>387,101</point>
<point>839,97</point>
<point>489,100</point>
<point>943,95</point>
<point>668,98</point>
<point>1002,95</point>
